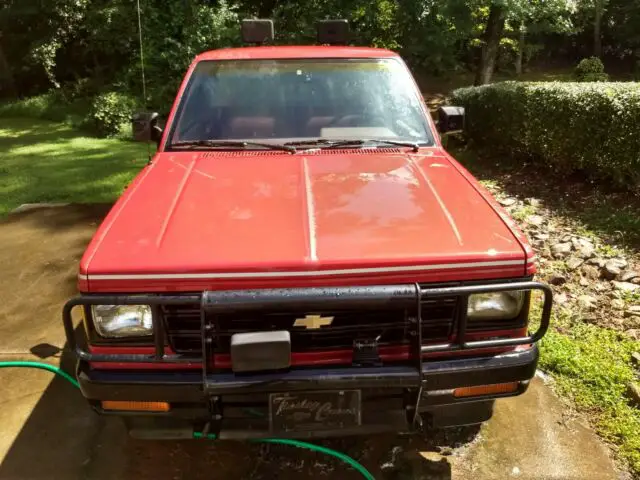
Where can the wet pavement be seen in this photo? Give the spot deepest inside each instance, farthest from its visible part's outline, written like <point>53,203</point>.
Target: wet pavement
<point>47,431</point>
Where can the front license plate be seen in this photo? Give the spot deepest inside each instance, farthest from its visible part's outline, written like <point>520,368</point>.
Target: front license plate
<point>324,410</point>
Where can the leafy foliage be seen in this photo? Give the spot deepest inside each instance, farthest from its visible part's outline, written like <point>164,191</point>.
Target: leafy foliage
<point>591,70</point>
<point>91,46</point>
<point>589,127</point>
<point>109,113</point>
<point>596,77</point>
<point>174,35</point>
<point>86,47</point>
<point>48,106</point>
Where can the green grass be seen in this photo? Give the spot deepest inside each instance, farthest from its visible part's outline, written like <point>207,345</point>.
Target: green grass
<point>592,366</point>
<point>62,107</point>
<point>48,106</point>
<point>630,298</point>
<point>607,251</point>
<point>42,161</point>
<point>523,212</point>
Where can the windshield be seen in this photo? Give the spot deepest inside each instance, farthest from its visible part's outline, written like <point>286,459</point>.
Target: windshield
<point>294,100</point>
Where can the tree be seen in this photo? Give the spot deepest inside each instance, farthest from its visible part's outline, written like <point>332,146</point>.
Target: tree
<point>491,38</point>
<point>622,29</point>
<point>539,17</point>
<point>6,75</point>
<point>599,7</point>
<point>597,10</point>
<point>35,30</point>
<point>520,16</point>
<point>86,47</point>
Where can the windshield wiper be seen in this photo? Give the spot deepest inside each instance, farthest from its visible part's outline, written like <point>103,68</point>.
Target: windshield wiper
<point>194,144</point>
<point>328,143</point>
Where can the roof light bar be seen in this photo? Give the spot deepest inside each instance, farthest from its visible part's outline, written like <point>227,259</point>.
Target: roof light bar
<point>257,31</point>
<point>333,32</point>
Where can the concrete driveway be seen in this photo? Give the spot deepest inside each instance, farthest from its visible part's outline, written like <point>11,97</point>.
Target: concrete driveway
<point>47,431</point>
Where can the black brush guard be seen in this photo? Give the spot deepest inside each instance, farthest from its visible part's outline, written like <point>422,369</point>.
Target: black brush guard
<point>305,299</point>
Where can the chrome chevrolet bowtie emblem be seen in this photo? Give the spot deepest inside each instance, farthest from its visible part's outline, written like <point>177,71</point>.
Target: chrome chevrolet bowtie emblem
<point>313,322</point>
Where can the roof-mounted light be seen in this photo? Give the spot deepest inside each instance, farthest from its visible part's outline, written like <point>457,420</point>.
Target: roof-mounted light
<point>257,31</point>
<point>333,32</point>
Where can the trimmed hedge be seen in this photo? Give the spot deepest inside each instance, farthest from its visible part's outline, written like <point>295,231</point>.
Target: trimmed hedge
<point>589,127</point>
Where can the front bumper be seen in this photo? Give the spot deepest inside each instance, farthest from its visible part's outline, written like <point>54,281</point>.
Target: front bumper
<point>389,395</point>
<point>397,398</point>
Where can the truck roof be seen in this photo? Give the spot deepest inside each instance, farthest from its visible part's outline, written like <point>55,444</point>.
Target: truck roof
<point>307,51</point>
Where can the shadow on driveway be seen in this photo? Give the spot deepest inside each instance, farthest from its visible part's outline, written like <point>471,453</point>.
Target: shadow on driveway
<point>62,437</point>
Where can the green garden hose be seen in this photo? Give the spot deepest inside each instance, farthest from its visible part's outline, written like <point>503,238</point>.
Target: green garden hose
<point>327,451</point>
<point>42,366</point>
<point>282,441</point>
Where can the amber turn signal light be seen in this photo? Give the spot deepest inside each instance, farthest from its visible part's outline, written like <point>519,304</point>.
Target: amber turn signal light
<point>486,390</point>
<point>131,406</point>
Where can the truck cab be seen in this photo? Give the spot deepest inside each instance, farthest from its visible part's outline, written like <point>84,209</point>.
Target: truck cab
<point>302,258</point>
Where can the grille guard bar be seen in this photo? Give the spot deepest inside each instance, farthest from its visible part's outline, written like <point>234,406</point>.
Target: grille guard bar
<point>315,298</point>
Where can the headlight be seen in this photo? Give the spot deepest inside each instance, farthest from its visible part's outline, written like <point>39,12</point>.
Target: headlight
<point>117,321</point>
<point>496,305</point>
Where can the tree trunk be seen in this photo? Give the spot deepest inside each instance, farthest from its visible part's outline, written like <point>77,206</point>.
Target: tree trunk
<point>597,24</point>
<point>6,76</point>
<point>521,42</point>
<point>492,35</point>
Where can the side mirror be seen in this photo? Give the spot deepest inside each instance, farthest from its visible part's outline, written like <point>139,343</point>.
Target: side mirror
<point>450,119</point>
<point>145,127</point>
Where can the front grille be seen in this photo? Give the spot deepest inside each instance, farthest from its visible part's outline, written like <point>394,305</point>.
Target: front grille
<point>390,327</point>
<point>182,324</point>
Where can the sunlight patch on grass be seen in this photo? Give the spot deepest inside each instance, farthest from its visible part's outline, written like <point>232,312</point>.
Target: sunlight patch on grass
<point>44,161</point>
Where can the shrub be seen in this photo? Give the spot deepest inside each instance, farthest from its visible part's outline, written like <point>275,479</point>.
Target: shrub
<point>590,70</point>
<point>110,113</point>
<point>595,77</point>
<point>54,106</point>
<point>106,114</point>
<point>48,106</point>
<point>594,127</point>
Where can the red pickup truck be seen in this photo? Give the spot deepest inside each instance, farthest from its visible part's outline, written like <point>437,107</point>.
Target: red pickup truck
<point>302,258</point>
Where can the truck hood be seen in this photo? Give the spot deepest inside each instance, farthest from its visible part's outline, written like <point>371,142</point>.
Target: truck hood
<point>220,217</point>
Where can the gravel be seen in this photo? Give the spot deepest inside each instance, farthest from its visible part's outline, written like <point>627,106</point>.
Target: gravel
<point>588,273</point>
